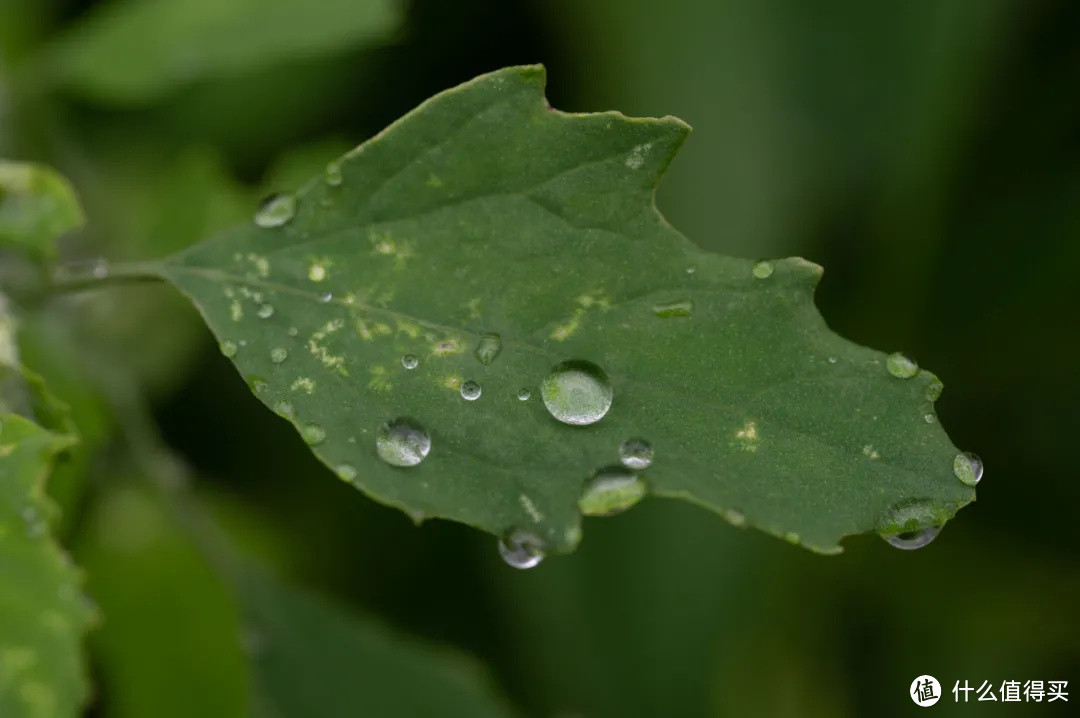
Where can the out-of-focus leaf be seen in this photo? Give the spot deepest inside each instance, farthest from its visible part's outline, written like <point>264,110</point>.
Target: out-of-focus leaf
<point>37,205</point>
<point>486,213</point>
<point>42,613</point>
<point>137,50</point>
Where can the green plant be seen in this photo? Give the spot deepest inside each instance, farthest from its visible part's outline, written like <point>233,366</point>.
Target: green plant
<point>477,315</point>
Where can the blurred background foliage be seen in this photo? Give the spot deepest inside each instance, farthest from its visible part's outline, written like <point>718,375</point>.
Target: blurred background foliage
<point>926,153</point>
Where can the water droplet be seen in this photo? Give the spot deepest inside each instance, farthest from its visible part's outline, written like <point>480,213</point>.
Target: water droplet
<point>934,389</point>
<point>968,467</point>
<point>402,442</point>
<point>763,269</point>
<point>682,308</point>
<point>611,491</point>
<point>278,354</point>
<point>792,538</point>
<point>293,331</point>
<point>346,472</point>
<point>326,297</point>
<point>524,395</point>
<point>521,549</point>
<point>100,270</point>
<point>228,348</point>
<point>488,348</point>
<point>690,270</point>
<point>285,409</point>
<point>635,454</point>
<point>313,434</point>
<point>265,311</point>
<point>901,366</point>
<point>410,361</point>
<point>832,360</point>
<point>577,392</point>
<point>912,524</point>
<point>259,385</point>
<point>333,173</point>
<point>470,391</point>
<point>276,210</point>
<point>928,418</point>
<point>316,271</point>
<point>735,518</point>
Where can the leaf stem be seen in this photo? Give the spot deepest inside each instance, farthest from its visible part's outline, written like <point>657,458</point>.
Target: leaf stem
<point>99,274</point>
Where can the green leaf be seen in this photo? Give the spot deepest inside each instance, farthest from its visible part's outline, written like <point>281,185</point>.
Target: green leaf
<point>37,205</point>
<point>486,212</point>
<point>179,43</point>
<point>42,613</point>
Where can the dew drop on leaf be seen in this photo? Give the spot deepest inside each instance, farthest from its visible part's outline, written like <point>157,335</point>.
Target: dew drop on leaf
<point>470,391</point>
<point>911,524</point>
<point>577,392</point>
<point>521,549</point>
<point>911,540</point>
<point>333,175</point>
<point>901,366</point>
<point>763,269</point>
<point>228,348</point>
<point>968,467</point>
<point>934,389</point>
<point>410,361</point>
<point>682,308</point>
<point>488,348</point>
<point>346,472</point>
<point>276,210</point>
<point>313,434</point>
<point>265,311</point>
<point>284,408</point>
<point>610,491</point>
<point>402,442</point>
<point>635,454</point>
<point>524,395</point>
<point>278,354</point>
<point>326,297</point>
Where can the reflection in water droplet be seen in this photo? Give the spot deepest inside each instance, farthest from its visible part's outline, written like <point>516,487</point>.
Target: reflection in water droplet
<point>763,269</point>
<point>265,311</point>
<point>968,467</point>
<point>278,354</point>
<point>410,361</point>
<point>577,392</point>
<point>276,210</point>
<point>610,491</point>
<point>402,442</point>
<point>524,395</point>
<point>313,434</point>
<point>346,472</point>
<point>228,348</point>
<point>635,454</point>
<point>488,348</point>
<point>683,308</point>
<point>470,391</point>
<point>901,366</point>
<point>521,549</point>
<point>912,524</point>
<point>333,173</point>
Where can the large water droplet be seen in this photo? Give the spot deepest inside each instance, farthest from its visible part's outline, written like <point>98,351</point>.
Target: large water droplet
<point>470,391</point>
<point>488,348</point>
<point>682,308</point>
<point>763,269</point>
<point>410,361</point>
<point>278,354</point>
<point>402,442</point>
<point>265,311</point>
<point>333,173</point>
<point>577,392</point>
<point>610,491</point>
<point>276,210</point>
<point>228,348</point>
<point>521,549</point>
<point>635,454</point>
<point>313,434</point>
<point>911,524</point>
<point>968,467</point>
<point>901,366</point>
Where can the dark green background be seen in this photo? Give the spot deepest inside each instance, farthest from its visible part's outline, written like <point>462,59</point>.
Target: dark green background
<point>927,153</point>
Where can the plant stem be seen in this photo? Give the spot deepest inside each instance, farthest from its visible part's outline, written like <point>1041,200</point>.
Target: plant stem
<point>83,276</point>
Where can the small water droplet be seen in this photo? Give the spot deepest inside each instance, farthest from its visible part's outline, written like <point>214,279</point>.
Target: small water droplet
<point>911,524</point>
<point>410,361</point>
<point>635,454</point>
<point>259,385</point>
<point>928,418</point>
<point>470,391</point>
<point>792,538</point>
<point>488,348</point>
<point>313,434</point>
<point>610,491</point>
<point>968,467</point>
<point>763,269</point>
<point>228,348</point>
<point>832,360</point>
<point>901,366</point>
<point>577,392</point>
<point>402,442</point>
<point>521,549</point>
<point>316,271</point>
<point>293,331</point>
<point>100,269</point>
<point>524,395</point>
<point>276,210</point>
<point>333,173</point>
<point>279,354</point>
<point>690,270</point>
<point>681,308</point>
<point>346,472</point>
<point>934,389</point>
<point>285,409</point>
<point>326,297</point>
<point>735,518</point>
<point>265,311</point>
